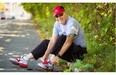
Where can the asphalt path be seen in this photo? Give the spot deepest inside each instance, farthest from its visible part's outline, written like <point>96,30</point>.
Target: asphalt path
<point>17,37</point>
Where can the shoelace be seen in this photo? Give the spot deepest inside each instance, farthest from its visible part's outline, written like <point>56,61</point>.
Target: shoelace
<point>48,62</point>
<point>20,58</point>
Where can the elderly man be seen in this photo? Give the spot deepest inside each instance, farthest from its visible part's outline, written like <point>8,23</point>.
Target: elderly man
<point>67,42</point>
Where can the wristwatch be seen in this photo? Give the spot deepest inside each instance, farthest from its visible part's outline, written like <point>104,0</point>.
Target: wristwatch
<point>58,55</point>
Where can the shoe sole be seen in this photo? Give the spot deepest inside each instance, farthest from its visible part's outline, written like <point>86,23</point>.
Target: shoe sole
<point>22,65</point>
<point>48,70</point>
<point>15,63</point>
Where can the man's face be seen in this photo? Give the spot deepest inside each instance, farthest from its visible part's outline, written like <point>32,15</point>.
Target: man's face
<point>61,18</point>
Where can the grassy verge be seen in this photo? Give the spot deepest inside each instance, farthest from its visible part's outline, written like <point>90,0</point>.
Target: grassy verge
<point>100,57</point>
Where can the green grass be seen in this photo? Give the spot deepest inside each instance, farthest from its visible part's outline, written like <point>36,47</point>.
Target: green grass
<point>99,31</point>
<point>100,57</point>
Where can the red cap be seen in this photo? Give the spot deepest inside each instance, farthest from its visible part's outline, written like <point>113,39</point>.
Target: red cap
<point>58,10</point>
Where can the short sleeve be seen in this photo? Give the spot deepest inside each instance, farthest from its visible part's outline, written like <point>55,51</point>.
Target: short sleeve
<point>55,29</point>
<point>73,29</point>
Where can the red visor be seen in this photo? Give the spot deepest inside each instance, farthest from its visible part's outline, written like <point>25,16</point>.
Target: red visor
<point>58,10</point>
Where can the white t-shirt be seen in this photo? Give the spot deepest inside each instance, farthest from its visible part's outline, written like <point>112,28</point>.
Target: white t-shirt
<point>71,27</point>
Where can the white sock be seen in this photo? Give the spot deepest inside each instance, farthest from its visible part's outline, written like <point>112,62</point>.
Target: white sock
<point>26,58</point>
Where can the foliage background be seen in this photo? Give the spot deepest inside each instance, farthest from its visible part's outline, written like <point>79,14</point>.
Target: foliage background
<point>1,7</point>
<point>98,21</point>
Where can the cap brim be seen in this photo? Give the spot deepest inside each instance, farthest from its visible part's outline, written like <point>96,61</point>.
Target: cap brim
<point>57,13</point>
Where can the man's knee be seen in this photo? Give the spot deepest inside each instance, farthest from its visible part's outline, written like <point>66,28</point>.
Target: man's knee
<point>45,41</point>
<point>62,38</point>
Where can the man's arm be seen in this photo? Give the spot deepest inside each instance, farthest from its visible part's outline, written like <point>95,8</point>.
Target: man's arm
<point>64,48</point>
<point>50,45</point>
<point>67,44</point>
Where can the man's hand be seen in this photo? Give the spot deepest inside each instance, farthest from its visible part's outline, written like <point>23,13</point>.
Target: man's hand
<point>44,58</point>
<point>55,60</point>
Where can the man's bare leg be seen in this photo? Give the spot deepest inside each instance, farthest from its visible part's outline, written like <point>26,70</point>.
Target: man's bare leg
<point>29,56</point>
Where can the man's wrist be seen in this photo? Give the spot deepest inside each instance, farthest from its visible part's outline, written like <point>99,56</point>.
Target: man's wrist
<point>46,55</point>
<point>58,55</point>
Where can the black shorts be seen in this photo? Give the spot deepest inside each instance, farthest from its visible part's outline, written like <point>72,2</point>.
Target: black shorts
<point>73,53</point>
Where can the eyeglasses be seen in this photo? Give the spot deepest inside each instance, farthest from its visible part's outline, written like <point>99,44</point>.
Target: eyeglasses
<point>59,15</point>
